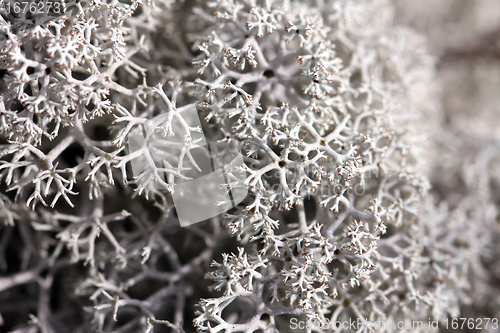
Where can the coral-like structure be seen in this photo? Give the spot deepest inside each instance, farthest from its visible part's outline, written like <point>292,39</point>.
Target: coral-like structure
<point>327,101</point>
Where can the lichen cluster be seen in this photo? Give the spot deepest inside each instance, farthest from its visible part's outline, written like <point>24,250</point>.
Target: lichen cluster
<point>326,100</point>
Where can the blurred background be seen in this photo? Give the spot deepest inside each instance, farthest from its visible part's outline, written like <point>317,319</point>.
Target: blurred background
<point>464,38</point>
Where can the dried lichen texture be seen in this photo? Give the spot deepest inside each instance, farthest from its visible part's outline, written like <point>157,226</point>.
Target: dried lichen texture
<point>319,102</point>
<point>325,100</point>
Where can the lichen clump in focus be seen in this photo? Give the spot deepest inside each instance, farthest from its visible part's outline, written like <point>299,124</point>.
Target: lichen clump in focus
<point>326,101</point>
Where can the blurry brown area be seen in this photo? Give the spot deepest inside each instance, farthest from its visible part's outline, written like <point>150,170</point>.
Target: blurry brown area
<point>464,38</point>
<point>486,46</point>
